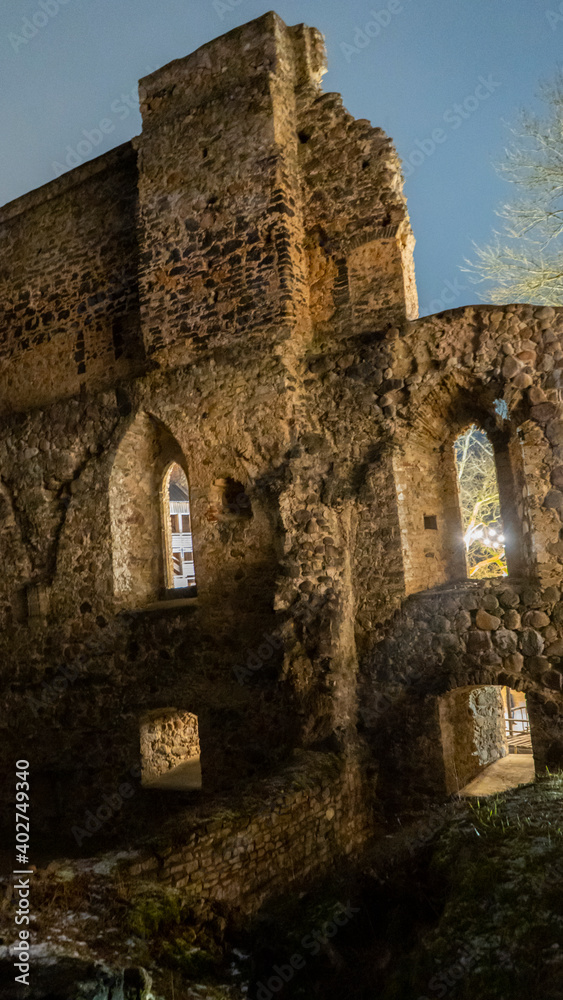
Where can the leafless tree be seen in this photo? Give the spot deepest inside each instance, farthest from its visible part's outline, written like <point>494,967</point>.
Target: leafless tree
<point>524,262</point>
<point>480,505</point>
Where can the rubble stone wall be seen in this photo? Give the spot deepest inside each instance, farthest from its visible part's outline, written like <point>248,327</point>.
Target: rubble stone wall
<point>247,310</point>
<point>69,310</point>
<point>240,860</point>
<point>476,634</point>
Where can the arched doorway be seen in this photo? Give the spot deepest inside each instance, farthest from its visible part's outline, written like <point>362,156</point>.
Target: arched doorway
<point>486,740</point>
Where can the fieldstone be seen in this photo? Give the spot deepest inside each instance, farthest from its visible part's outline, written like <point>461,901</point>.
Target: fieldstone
<point>491,658</point>
<point>486,621</point>
<point>446,641</point>
<point>509,599</point>
<point>478,642</point>
<point>543,412</point>
<point>511,619</point>
<point>553,679</point>
<point>470,602</point>
<point>531,642</point>
<point>490,602</point>
<point>511,366</point>
<point>554,432</point>
<point>537,619</point>
<point>439,623</point>
<point>555,648</point>
<point>505,641</point>
<point>536,395</point>
<point>514,662</point>
<point>538,665</point>
<point>462,621</point>
<point>522,380</point>
<point>532,597</point>
<point>554,500</point>
<point>551,595</point>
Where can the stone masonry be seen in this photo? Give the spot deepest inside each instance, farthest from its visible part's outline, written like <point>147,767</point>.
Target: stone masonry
<point>233,291</point>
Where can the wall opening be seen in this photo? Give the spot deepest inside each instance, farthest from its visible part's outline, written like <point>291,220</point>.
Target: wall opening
<point>486,740</point>
<point>148,462</point>
<point>170,751</point>
<point>479,497</point>
<point>178,540</point>
<point>461,494</point>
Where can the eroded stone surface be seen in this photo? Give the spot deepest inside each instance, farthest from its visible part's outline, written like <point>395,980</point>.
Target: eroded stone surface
<point>233,292</point>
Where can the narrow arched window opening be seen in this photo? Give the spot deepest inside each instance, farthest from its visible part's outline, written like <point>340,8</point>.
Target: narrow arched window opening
<point>178,538</point>
<point>483,532</point>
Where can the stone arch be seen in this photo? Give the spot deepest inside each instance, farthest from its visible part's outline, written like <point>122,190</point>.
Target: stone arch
<point>146,451</point>
<point>433,739</point>
<point>477,634</point>
<point>427,488</point>
<point>474,733</point>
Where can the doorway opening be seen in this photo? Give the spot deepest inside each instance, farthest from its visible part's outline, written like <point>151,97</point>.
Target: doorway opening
<point>486,740</point>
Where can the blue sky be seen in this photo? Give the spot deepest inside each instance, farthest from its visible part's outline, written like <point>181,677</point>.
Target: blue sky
<point>404,64</point>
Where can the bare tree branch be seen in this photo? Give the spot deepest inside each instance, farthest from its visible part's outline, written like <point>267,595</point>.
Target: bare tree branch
<point>480,504</point>
<point>524,262</point>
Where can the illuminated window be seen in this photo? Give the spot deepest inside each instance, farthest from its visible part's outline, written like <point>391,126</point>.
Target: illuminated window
<point>483,532</point>
<point>179,560</point>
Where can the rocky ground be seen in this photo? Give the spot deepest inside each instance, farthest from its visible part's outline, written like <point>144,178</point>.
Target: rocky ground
<point>463,901</point>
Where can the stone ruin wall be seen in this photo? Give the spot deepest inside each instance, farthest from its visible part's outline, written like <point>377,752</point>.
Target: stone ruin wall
<point>69,309</point>
<point>267,335</point>
<point>317,817</point>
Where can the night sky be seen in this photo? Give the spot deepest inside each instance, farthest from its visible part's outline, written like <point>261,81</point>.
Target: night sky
<point>404,64</point>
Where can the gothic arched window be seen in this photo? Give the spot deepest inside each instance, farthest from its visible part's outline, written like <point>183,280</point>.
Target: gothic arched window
<point>178,541</point>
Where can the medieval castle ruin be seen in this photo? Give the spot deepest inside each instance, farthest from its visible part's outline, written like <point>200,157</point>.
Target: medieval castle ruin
<point>232,557</point>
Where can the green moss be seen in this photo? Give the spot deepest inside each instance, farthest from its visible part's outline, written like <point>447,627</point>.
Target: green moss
<point>154,913</point>
<point>175,937</point>
<point>189,959</point>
